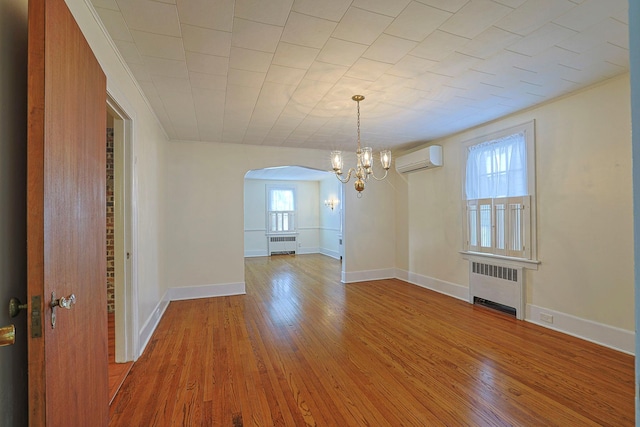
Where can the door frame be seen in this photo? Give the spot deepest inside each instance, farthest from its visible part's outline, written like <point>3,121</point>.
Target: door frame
<point>125,236</point>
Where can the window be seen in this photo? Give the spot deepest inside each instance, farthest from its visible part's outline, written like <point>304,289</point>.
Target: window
<point>498,191</point>
<point>281,209</point>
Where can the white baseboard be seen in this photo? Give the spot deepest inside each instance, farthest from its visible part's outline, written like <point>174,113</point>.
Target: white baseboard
<point>255,253</point>
<point>363,276</point>
<point>151,324</point>
<point>206,291</point>
<point>605,335</point>
<point>184,293</point>
<point>452,289</point>
<point>330,253</point>
<point>305,251</point>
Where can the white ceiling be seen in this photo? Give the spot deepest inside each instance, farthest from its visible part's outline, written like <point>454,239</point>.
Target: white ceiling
<point>282,72</point>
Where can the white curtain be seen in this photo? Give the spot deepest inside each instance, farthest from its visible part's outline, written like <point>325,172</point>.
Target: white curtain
<point>497,168</point>
<point>281,199</point>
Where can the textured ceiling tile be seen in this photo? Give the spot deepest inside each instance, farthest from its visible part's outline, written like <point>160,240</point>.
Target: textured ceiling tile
<point>417,21</point>
<point>541,39</point>
<point>272,100</point>
<point>388,83</point>
<point>610,30</point>
<point>501,62</point>
<point>323,72</point>
<point>285,75</point>
<point>250,60</point>
<point>543,61</point>
<point>438,45</point>
<point>255,35</point>
<point>426,82</point>
<point>294,56</point>
<point>140,72</point>
<point>346,87</point>
<point>383,7</point>
<point>411,66</point>
<point>115,24</point>
<point>209,108</point>
<point>307,30</point>
<point>181,110</point>
<point>361,26</point>
<point>241,99</point>
<point>158,108</point>
<point>151,16</point>
<point>158,45</point>
<point>166,67</point>
<point>212,14</point>
<point>389,49</point>
<point>533,14</point>
<point>301,95</point>
<point>274,12</point>
<point>475,17</point>
<point>490,42</point>
<point>590,13</point>
<point>448,5</point>
<point>366,69</point>
<point>105,4</point>
<point>204,40</point>
<point>310,92</point>
<point>209,64</point>
<point>245,78</point>
<point>514,4</point>
<point>332,10</point>
<point>129,52</point>
<point>207,81</point>
<point>341,52</point>
<point>168,86</point>
<point>616,58</point>
<point>209,104</point>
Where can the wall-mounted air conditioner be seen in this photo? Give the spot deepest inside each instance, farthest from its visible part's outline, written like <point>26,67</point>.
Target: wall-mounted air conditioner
<point>429,157</point>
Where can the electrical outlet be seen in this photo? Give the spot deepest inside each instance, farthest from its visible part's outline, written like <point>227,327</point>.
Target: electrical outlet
<point>546,317</point>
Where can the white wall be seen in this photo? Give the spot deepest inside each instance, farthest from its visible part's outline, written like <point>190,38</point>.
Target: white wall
<point>330,223</point>
<point>583,158</point>
<point>203,258</point>
<point>148,139</point>
<point>307,216</point>
<point>13,237</point>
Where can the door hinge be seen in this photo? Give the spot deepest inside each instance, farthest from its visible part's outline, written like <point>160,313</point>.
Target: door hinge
<point>36,316</point>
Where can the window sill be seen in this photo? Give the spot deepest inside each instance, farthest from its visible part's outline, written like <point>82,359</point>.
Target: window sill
<point>510,261</point>
<point>281,233</point>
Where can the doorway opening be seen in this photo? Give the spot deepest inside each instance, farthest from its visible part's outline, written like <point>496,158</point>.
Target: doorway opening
<point>312,223</point>
<point>121,289</point>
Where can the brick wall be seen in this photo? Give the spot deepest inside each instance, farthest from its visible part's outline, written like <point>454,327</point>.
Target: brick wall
<point>110,224</point>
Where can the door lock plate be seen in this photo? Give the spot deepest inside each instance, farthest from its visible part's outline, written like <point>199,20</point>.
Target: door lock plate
<point>36,316</point>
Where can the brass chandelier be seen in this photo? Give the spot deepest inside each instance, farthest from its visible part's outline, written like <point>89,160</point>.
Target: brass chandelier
<point>364,164</point>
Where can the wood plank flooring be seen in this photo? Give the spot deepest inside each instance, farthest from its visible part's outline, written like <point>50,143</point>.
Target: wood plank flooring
<point>300,348</point>
<point>117,371</point>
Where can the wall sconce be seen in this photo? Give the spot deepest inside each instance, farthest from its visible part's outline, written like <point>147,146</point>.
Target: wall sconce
<point>332,203</point>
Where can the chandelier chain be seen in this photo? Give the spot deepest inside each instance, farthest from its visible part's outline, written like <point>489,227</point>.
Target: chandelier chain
<point>359,126</point>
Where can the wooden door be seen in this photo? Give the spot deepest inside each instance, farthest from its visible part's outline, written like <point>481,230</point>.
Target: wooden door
<point>66,205</point>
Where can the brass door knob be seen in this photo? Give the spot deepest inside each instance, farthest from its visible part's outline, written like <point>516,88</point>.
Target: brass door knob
<point>7,335</point>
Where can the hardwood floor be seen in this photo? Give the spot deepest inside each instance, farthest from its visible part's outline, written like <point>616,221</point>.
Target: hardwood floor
<point>117,371</point>
<point>300,348</point>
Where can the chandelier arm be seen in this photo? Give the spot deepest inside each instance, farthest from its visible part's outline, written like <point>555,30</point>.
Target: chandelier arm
<point>345,180</point>
<point>379,179</point>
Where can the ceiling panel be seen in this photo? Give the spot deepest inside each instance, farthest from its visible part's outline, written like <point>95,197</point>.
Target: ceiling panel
<point>283,72</point>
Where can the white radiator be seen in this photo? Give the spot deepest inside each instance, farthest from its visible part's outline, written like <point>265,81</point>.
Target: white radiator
<point>282,244</point>
<point>497,284</point>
